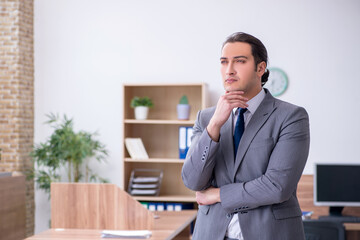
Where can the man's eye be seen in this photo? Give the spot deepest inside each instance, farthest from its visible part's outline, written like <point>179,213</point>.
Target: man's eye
<point>223,62</point>
<point>240,61</point>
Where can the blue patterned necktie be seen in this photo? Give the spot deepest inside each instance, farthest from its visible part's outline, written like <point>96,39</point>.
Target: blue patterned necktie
<point>239,129</point>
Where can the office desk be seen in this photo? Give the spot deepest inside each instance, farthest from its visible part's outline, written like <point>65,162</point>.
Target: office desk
<point>169,225</point>
<point>352,231</point>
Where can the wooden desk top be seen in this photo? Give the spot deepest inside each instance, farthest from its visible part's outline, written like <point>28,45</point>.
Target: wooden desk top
<point>352,226</point>
<point>90,234</point>
<point>166,227</point>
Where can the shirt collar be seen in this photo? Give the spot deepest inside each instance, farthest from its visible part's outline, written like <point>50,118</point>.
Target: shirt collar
<point>254,102</point>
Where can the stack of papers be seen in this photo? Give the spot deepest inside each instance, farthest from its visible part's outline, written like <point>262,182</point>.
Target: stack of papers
<point>136,234</point>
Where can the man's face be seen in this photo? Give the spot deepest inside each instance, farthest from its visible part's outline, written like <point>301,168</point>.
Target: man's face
<point>238,69</point>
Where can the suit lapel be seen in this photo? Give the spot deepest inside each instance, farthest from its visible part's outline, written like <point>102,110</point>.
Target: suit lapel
<point>227,145</point>
<point>259,118</point>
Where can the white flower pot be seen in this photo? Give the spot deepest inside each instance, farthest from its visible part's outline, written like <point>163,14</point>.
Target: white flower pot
<point>183,111</point>
<point>141,112</point>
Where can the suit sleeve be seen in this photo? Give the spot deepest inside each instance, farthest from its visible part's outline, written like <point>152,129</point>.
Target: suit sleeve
<point>284,170</point>
<point>197,171</point>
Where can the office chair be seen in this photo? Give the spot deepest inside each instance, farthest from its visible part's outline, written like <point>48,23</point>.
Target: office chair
<point>323,230</point>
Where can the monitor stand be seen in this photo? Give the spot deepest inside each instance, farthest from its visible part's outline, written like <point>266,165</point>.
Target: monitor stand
<point>336,215</point>
<point>336,211</point>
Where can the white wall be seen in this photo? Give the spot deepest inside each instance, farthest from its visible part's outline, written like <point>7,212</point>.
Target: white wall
<point>86,49</point>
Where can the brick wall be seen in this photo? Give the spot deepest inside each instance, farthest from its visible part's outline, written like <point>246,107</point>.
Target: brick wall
<point>17,92</point>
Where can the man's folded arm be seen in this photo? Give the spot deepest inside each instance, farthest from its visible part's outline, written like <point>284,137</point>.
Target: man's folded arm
<point>197,171</point>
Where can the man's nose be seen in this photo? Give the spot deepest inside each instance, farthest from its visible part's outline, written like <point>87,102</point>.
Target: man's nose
<point>230,69</point>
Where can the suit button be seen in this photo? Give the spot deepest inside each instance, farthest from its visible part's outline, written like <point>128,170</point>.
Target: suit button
<point>206,147</point>
<point>228,215</point>
<point>243,212</point>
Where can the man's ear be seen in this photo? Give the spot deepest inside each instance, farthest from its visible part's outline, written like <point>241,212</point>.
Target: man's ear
<point>261,67</point>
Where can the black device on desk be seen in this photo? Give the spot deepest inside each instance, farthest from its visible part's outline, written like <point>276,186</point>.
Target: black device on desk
<point>337,186</point>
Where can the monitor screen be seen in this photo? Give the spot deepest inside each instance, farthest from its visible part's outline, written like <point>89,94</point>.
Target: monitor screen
<point>337,184</point>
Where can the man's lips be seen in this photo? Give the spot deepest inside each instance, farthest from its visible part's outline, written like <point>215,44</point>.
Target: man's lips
<point>230,80</point>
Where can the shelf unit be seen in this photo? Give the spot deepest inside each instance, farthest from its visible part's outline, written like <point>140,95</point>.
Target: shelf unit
<point>159,134</point>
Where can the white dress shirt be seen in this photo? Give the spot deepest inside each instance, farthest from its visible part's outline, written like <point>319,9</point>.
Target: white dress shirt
<point>234,230</point>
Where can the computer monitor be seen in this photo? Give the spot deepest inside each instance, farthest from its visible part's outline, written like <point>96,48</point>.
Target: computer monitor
<point>337,186</point>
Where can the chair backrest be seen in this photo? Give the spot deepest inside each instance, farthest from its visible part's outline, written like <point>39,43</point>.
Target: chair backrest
<point>323,230</point>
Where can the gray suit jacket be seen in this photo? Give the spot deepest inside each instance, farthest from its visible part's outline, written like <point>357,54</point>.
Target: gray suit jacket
<point>260,186</point>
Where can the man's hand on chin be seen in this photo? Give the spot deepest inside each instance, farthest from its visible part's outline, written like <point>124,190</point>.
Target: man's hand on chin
<point>208,196</point>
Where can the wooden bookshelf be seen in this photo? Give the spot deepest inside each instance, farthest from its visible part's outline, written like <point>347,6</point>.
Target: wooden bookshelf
<point>167,198</point>
<point>157,160</point>
<point>153,121</point>
<point>159,134</point>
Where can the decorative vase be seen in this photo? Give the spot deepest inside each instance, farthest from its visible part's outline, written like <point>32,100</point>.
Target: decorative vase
<point>183,111</point>
<point>141,112</point>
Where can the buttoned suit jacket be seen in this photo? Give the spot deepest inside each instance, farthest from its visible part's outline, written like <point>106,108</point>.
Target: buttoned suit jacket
<point>260,184</point>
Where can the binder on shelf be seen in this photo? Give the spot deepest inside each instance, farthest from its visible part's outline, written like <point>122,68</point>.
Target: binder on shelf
<point>160,206</point>
<point>187,206</point>
<point>135,148</point>
<point>183,206</point>
<point>152,206</point>
<point>145,204</point>
<point>185,134</point>
<point>169,206</point>
<point>177,207</point>
<point>189,133</point>
<point>182,142</point>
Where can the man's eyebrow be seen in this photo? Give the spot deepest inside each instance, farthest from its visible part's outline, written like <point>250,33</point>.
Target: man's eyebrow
<point>241,57</point>
<point>223,58</point>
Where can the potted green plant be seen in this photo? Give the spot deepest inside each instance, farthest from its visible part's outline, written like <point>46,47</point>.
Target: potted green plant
<point>183,108</point>
<point>66,150</point>
<point>141,107</point>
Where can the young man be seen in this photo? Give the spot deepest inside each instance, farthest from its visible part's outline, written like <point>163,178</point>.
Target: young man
<point>247,154</point>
